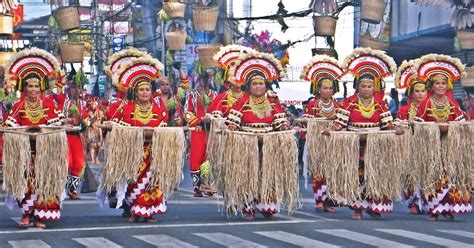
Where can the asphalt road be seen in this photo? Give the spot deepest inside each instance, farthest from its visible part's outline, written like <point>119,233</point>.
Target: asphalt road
<point>200,222</point>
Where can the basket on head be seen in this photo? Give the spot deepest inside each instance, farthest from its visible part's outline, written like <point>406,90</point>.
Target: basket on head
<point>468,81</point>
<point>176,40</point>
<point>67,18</point>
<point>72,52</point>
<point>6,24</point>
<point>206,54</point>
<point>324,51</point>
<point>174,9</point>
<point>324,25</point>
<point>365,41</point>
<point>466,39</point>
<point>204,18</point>
<point>372,11</point>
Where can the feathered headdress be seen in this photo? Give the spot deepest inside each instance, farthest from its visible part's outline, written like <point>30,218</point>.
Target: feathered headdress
<point>144,69</point>
<point>117,59</point>
<point>407,76</point>
<point>376,63</point>
<point>227,55</point>
<point>256,65</point>
<point>33,62</point>
<point>320,68</point>
<point>433,66</point>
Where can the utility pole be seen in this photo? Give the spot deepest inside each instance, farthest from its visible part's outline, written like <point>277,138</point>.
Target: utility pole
<point>97,29</point>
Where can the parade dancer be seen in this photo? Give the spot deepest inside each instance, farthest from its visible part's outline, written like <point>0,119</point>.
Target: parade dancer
<point>256,112</point>
<point>115,62</point>
<point>323,73</point>
<point>407,77</point>
<point>75,114</point>
<point>440,72</point>
<point>165,96</point>
<point>223,102</point>
<point>34,71</point>
<point>144,200</point>
<point>366,110</point>
<point>196,105</point>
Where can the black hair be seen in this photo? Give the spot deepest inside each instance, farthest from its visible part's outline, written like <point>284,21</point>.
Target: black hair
<point>30,76</point>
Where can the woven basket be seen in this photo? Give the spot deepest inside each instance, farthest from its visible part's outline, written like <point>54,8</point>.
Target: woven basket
<point>468,81</point>
<point>205,19</point>
<point>4,58</point>
<point>67,18</point>
<point>466,39</point>
<point>72,52</point>
<point>176,40</point>
<point>365,41</point>
<point>174,9</point>
<point>324,51</point>
<point>324,25</point>
<point>372,11</point>
<point>6,24</point>
<point>206,53</point>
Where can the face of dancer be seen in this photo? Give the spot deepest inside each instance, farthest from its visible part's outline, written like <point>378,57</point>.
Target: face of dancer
<point>203,85</point>
<point>440,87</point>
<point>326,91</point>
<point>419,93</point>
<point>257,88</point>
<point>33,90</point>
<point>165,87</point>
<point>235,88</point>
<point>144,93</point>
<point>366,88</point>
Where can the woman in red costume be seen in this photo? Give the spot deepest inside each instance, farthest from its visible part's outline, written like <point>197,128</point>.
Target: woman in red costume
<point>440,72</point>
<point>323,73</point>
<point>256,112</point>
<point>366,110</point>
<point>195,108</point>
<point>407,77</point>
<point>34,70</point>
<point>143,199</point>
<point>226,57</point>
<point>115,62</point>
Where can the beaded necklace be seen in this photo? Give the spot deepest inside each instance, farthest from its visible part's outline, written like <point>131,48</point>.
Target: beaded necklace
<point>143,113</point>
<point>260,106</point>
<point>233,97</point>
<point>367,109</point>
<point>326,109</point>
<point>412,112</point>
<point>34,111</point>
<point>440,109</point>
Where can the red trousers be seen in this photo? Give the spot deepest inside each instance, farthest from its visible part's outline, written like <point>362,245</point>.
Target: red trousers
<point>76,154</point>
<point>197,153</point>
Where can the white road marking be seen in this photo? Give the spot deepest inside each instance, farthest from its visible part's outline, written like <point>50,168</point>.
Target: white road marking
<point>34,243</point>
<point>459,233</point>
<point>243,223</point>
<point>314,216</point>
<point>229,240</point>
<point>363,238</point>
<point>296,239</point>
<point>164,241</point>
<point>96,242</point>
<point>425,238</point>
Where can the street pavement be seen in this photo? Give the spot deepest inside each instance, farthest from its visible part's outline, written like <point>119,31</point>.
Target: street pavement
<point>200,222</point>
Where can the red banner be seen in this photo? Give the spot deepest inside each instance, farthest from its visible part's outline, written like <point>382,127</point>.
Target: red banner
<point>18,15</point>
